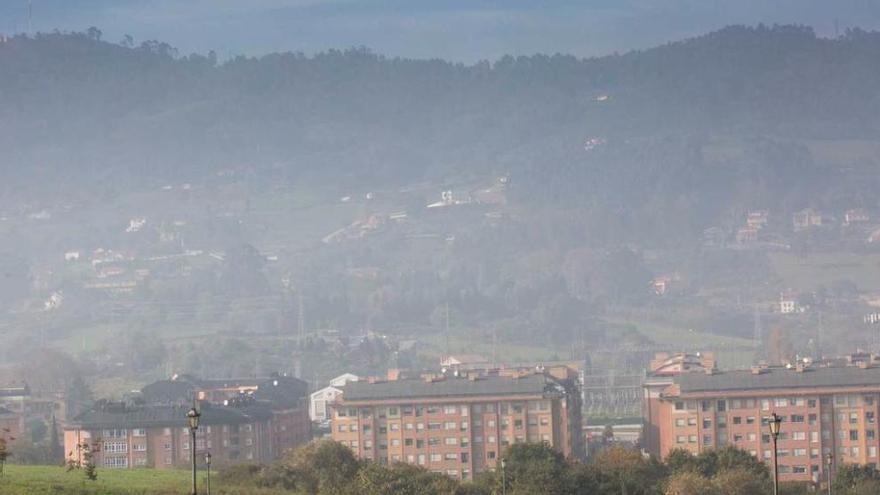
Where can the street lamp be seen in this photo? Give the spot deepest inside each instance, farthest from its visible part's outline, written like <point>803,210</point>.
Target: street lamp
<point>192,416</point>
<point>503,477</point>
<point>775,423</point>
<point>208,479</point>
<point>829,463</point>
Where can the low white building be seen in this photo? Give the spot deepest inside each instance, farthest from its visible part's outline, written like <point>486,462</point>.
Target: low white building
<point>320,400</point>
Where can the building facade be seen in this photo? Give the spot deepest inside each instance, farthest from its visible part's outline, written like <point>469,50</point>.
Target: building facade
<point>830,409</point>
<point>123,436</point>
<point>284,396</point>
<point>457,425</point>
<point>320,400</point>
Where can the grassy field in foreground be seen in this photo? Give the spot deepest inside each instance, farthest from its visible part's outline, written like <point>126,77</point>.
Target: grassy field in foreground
<point>43,480</point>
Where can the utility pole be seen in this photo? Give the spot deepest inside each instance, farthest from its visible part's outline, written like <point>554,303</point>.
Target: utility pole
<point>447,329</point>
<point>758,337</point>
<point>494,347</point>
<point>300,319</point>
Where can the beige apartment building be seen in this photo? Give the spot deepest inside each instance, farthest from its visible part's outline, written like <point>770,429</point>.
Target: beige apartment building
<point>825,409</point>
<point>459,424</point>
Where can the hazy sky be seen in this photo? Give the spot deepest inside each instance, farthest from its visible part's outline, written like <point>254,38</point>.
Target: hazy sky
<point>464,30</point>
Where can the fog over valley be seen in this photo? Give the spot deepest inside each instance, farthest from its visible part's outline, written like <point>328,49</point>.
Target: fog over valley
<point>630,266</point>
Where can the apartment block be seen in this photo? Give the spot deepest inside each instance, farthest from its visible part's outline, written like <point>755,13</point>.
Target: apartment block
<point>458,424</point>
<point>285,396</point>
<point>825,409</point>
<point>124,435</point>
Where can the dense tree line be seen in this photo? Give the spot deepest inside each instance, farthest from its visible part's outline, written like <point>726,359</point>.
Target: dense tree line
<point>328,468</point>
<point>78,107</point>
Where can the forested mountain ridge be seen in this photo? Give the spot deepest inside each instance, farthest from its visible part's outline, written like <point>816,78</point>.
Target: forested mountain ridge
<point>693,130</point>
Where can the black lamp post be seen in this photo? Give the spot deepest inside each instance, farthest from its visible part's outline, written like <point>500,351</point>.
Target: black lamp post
<point>208,466</point>
<point>192,417</point>
<point>503,477</point>
<point>829,463</point>
<point>775,423</point>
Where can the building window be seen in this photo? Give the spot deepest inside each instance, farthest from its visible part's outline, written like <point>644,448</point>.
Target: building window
<point>853,435</point>
<point>737,420</point>
<point>115,433</point>
<point>139,432</point>
<point>115,447</point>
<point>116,462</point>
<point>679,406</point>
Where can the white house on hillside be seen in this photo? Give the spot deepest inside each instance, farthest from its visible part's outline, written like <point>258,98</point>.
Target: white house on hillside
<point>320,400</point>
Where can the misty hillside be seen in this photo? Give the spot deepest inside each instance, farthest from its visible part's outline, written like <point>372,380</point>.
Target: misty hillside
<point>733,113</point>
<point>649,201</point>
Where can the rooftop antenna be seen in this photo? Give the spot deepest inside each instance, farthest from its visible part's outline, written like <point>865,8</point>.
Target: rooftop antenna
<point>30,15</point>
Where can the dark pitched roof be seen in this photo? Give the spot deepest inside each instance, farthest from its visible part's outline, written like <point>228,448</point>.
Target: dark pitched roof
<point>282,391</point>
<point>451,387</point>
<point>167,392</point>
<point>117,415</point>
<point>779,378</point>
